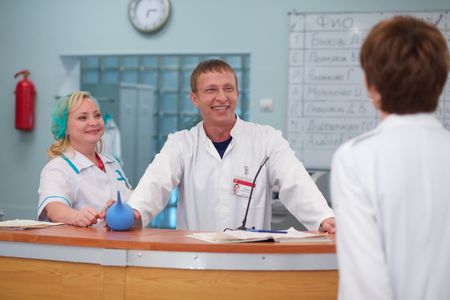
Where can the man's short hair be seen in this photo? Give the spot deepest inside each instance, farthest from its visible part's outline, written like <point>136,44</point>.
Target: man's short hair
<point>210,65</point>
<point>407,61</point>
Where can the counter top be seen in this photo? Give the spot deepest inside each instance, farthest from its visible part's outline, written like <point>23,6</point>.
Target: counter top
<point>152,239</point>
<point>162,248</point>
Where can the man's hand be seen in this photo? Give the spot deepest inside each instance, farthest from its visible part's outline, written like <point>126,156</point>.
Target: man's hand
<point>328,225</point>
<point>102,214</point>
<point>137,215</point>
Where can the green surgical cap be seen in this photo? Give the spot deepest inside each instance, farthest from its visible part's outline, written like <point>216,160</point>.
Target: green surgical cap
<point>61,112</point>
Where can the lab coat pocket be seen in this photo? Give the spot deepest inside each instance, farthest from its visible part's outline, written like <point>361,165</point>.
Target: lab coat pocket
<point>256,201</point>
<point>244,188</point>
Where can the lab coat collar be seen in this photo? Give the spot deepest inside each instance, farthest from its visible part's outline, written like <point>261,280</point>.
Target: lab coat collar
<point>423,119</point>
<point>209,144</point>
<point>237,128</point>
<point>82,162</point>
<point>106,158</point>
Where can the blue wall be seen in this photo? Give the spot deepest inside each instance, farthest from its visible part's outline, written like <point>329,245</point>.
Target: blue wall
<point>35,34</point>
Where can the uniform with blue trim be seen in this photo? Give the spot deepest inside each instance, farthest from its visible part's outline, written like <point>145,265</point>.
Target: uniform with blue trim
<point>75,181</point>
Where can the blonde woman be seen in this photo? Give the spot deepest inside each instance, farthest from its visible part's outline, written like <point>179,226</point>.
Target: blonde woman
<point>78,181</point>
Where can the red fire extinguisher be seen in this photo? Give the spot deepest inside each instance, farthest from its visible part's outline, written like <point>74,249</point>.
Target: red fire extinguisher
<point>25,94</point>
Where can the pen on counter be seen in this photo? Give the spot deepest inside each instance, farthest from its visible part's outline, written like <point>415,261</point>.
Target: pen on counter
<point>267,231</point>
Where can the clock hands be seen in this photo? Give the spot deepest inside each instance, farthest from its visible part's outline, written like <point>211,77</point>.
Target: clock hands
<point>149,11</point>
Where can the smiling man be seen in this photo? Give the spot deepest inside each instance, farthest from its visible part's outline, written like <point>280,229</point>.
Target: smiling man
<point>214,165</point>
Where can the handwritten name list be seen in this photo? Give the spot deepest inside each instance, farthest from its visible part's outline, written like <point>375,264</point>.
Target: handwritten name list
<point>327,100</point>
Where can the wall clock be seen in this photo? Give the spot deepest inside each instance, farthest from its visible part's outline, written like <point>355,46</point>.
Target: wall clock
<point>148,15</point>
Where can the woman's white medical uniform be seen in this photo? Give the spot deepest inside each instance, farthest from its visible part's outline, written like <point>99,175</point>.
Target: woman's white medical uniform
<point>390,190</point>
<point>74,180</point>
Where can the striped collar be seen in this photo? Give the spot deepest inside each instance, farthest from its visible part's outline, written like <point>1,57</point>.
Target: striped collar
<point>78,161</point>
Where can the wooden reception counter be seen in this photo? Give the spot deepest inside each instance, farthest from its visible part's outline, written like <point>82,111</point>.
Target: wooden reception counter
<point>67,262</point>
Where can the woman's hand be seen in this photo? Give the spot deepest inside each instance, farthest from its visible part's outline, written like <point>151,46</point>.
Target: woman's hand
<point>60,212</point>
<point>84,217</point>
<point>102,214</point>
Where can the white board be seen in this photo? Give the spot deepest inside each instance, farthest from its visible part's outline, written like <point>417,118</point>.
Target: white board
<point>327,101</point>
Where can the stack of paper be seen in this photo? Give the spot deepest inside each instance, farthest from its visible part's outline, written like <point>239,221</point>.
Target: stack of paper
<point>18,223</point>
<point>240,236</point>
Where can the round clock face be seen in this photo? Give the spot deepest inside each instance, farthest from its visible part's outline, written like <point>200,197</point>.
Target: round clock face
<point>148,15</point>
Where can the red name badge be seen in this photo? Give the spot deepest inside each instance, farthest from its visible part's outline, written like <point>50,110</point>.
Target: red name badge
<point>242,187</point>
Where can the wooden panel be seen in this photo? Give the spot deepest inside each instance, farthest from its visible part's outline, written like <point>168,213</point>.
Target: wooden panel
<point>36,279</point>
<point>29,279</point>
<point>145,283</point>
<point>114,283</point>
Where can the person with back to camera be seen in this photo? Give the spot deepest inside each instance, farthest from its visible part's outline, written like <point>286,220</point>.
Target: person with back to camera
<point>207,161</point>
<point>390,186</point>
<point>78,181</point>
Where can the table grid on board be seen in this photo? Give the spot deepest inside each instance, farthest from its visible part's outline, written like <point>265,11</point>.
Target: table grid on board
<point>327,100</point>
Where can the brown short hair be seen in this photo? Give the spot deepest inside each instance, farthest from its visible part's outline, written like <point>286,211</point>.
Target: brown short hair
<point>207,66</point>
<point>407,61</point>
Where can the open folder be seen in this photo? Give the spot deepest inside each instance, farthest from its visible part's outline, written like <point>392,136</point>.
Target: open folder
<point>242,236</point>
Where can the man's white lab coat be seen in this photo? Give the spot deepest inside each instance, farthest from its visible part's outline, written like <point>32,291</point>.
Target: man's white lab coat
<point>208,199</point>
